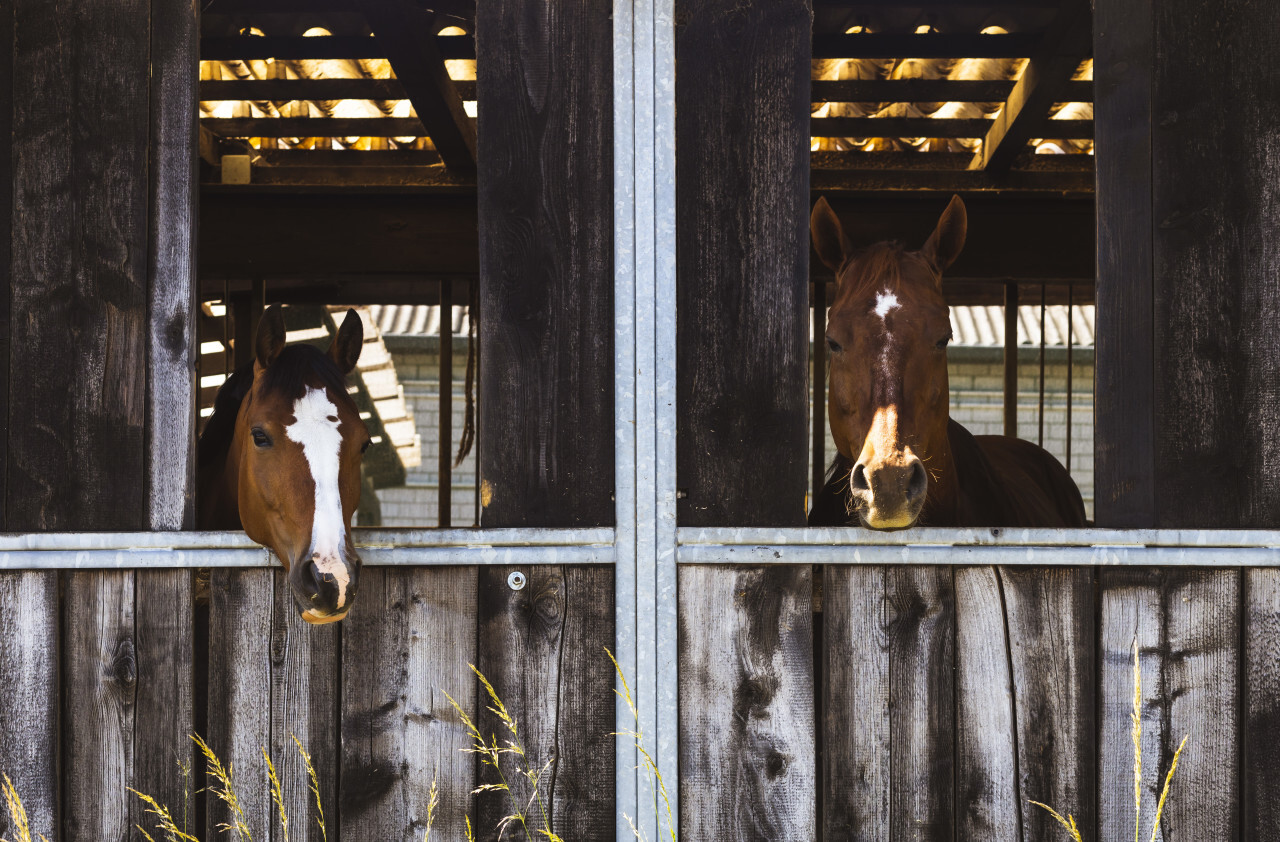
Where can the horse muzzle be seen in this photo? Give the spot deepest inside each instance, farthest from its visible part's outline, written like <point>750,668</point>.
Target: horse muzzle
<point>889,494</point>
<point>325,586</point>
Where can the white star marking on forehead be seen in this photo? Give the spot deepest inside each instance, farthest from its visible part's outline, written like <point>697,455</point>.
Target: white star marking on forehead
<point>885,301</point>
<point>321,443</point>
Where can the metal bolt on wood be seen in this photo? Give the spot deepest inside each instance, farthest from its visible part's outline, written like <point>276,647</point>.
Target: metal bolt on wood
<point>516,581</point>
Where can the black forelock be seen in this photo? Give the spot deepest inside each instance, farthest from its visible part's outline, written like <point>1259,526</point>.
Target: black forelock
<point>299,366</point>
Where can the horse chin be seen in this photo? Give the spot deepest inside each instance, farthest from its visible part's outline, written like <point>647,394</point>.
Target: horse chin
<point>902,519</point>
<point>315,618</point>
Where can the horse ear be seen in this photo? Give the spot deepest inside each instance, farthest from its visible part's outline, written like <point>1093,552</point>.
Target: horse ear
<point>828,236</point>
<point>345,350</point>
<point>944,245</point>
<point>270,336</point>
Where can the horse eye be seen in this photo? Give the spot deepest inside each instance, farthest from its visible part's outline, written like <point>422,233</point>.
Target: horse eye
<point>834,345</point>
<point>944,341</point>
<point>365,446</point>
<point>260,438</point>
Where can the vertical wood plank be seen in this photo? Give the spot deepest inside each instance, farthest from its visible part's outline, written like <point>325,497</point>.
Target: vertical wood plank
<point>988,803</point>
<point>1216,159</point>
<point>304,704</point>
<point>1124,423</point>
<point>406,644</point>
<point>164,636</point>
<point>856,704</point>
<point>29,655</point>
<point>746,703</point>
<point>922,610</point>
<point>742,260</point>
<point>1261,728</point>
<point>1052,639</point>
<point>1187,625</point>
<point>100,675</point>
<point>79,283</point>
<point>241,603</point>
<point>171,260</point>
<point>540,649</point>
<point>544,182</point>
<point>6,239</point>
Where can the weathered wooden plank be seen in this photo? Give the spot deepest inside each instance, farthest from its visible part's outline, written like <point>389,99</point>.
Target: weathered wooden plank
<point>1187,625</point>
<point>1261,727</point>
<point>1052,638</point>
<point>1124,423</point>
<point>164,697</point>
<point>922,609</point>
<point>6,242</point>
<point>855,698</point>
<point>171,264</point>
<point>100,676</point>
<point>314,126</point>
<point>742,210</point>
<point>79,282</point>
<point>241,604</point>
<point>305,675</point>
<point>1215,156</point>
<point>545,193</point>
<point>406,644</point>
<point>898,90</point>
<point>746,704</point>
<point>988,801</point>
<point>29,661</point>
<point>228,47</point>
<point>539,648</point>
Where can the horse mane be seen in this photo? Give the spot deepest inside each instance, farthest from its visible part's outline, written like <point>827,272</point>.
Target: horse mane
<point>288,375</point>
<point>880,265</point>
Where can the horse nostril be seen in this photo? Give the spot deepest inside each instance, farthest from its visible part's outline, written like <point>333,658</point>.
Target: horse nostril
<point>918,482</point>
<point>858,482</point>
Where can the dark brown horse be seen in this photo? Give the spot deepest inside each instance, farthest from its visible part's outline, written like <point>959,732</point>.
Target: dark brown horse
<point>280,458</point>
<point>902,460</point>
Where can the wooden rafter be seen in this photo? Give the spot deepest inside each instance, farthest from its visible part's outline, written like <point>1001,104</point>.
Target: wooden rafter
<point>919,90</point>
<point>1026,112</point>
<point>934,45</point>
<point>288,90</point>
<point>223,48</point>
<point>408,40</point>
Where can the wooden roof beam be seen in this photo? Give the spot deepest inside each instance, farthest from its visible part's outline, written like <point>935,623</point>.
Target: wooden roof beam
<point>1025,115</point>
<point>408,39</point>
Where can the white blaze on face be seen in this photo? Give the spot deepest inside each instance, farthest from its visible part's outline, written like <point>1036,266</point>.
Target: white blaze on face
<point>886,301</point>
<point>316,428</point>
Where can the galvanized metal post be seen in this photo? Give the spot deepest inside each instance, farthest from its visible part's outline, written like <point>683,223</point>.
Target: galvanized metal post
<point>1011,358</point>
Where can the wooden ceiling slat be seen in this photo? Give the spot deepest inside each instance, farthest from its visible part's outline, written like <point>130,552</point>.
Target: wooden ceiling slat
<point>225,48</point>
<point>930,90</point>
<point>314,126</point>
<point>933,45</point>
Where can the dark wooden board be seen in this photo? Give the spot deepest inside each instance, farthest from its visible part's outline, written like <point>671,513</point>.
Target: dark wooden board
<point>224,48</point>
<point>164,696</point>
<point>746,703</point>
<point>29,669</point>
<point>1187,625</point>
<point>1215,159</point>
<point>545,196</point>
<point>1052,640</point>
<point>6,240</point>
<point>408,641</point>
<point>241,607</point>
<point>540,648</point>
<point>79,279</point>
<point>1260,785</point>
<point>742,252</point>
<point>100,678</point>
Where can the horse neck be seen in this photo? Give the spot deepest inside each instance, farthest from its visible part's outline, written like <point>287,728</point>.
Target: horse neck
<point>943,505</point>
<point>217,504</point>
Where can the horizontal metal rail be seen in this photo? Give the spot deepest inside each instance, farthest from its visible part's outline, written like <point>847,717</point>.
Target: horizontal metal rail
<point>378,547</point>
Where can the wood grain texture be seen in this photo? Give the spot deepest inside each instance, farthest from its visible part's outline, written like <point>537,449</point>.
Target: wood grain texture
<point>1052,639</point>
<point>241,606</point>
<point>855,703</point>
<point>79,280</point>
<point>988,801</point>
<point>305,675</point>
<point>545,195</point>
<point>6,240</point>
<point>1187,627</point>
<point>922,610</point>
<point>1215,156</point>
<point>540,647</point>
<point>99,677</point>
<point>746,704</point>
<point>1261,727</point>
<point>163,636</point>
<point>29,670</point>
<point>742,252</point>
<point>406,644</point>
<point>171,264</point>
<point>1124,423</point>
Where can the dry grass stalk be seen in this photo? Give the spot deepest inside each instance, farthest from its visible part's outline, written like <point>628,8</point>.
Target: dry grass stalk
<point>647,763</point>
<point>224,790</point>
<point>1168,779</point>
<point>433,801</point>
<point>1069,822</point>
<point>17,813</point>
<point>166,824</point>
<point>276,795</point>
<point>314,784</point>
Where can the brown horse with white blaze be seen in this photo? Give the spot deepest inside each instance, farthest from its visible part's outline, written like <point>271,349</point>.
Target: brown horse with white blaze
<point>280,457</point>
<point>902,461</point>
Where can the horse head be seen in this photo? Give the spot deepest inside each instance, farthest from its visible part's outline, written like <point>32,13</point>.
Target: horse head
<point>295,463</point>
<point>888,331</point>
